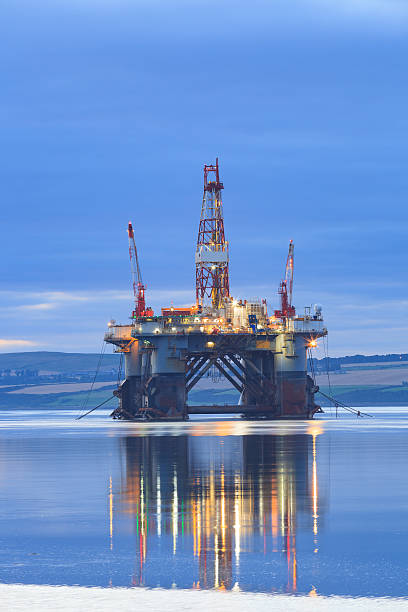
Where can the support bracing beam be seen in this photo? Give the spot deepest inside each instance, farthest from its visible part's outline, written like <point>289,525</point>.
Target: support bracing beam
<point>264,378</point>
<point>192,361</point>
<point>228,377</point>
<point>200,374</point>
<point>195,368</point>
<point>238,369</point>
<point>237,362</point>
<point>254,367</point>
<point>266,381</point>
<point>248,380</point>
<point>232,369</point>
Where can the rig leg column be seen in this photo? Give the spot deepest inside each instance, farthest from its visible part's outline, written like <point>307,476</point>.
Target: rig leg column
<point>259,387</point>
<point>166,387</point>
<point>166,397</point>
<point>130,398</point>
<point>290,363</point>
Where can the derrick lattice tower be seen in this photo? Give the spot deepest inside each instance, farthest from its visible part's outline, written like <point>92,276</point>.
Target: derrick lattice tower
<point>212,259</point>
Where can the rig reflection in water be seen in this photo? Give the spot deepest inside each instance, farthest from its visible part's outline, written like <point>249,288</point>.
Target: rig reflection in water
<point>213,511</point>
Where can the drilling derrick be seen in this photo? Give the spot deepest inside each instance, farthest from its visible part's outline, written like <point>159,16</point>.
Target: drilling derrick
<point>212,282</point>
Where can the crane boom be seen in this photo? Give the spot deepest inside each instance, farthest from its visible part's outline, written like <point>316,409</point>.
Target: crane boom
<point>138,286</point>
<point>289,272</point>
<point>286,288</point>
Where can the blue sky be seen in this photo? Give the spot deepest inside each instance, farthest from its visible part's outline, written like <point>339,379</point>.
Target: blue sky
<point>110,108</point>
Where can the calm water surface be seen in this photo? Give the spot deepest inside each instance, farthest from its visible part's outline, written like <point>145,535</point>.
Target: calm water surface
<point>309,507</point>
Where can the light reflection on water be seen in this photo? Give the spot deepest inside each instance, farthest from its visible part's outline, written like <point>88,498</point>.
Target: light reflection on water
<point>219,500</point>
<point>306,507</point>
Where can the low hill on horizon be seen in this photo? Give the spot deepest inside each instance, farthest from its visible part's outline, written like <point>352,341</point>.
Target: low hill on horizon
<point>57,361</point>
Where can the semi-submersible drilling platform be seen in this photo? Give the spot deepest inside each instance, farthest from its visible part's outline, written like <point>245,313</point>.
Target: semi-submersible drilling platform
<point>263,356</point>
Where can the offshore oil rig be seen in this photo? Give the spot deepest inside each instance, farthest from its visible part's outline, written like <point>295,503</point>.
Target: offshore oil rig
<point>264,356</point>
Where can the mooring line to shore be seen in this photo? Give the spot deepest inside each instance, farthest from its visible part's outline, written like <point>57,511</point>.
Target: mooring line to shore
<point>92,409</point>
<point>339,404</point>
<point>86,399</point>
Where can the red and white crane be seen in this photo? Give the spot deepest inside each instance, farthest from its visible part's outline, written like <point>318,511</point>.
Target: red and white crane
<point>286,288</point>
<point>138,286</point>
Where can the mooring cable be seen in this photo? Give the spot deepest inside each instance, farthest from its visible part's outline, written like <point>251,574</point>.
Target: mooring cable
<point>338,403</point>
<point>86,399</point>
<point>326,354</point>
<point>120,369</point>
<point>92,409</point>
<point>311,365</point>
<point>359,413</point>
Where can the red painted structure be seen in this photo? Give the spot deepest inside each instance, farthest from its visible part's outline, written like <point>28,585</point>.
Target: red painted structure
<point>285,290</point>
<point>138,286</point>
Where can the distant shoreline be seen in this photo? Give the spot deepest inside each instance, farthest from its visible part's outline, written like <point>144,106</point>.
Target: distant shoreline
<point>50,380</point>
